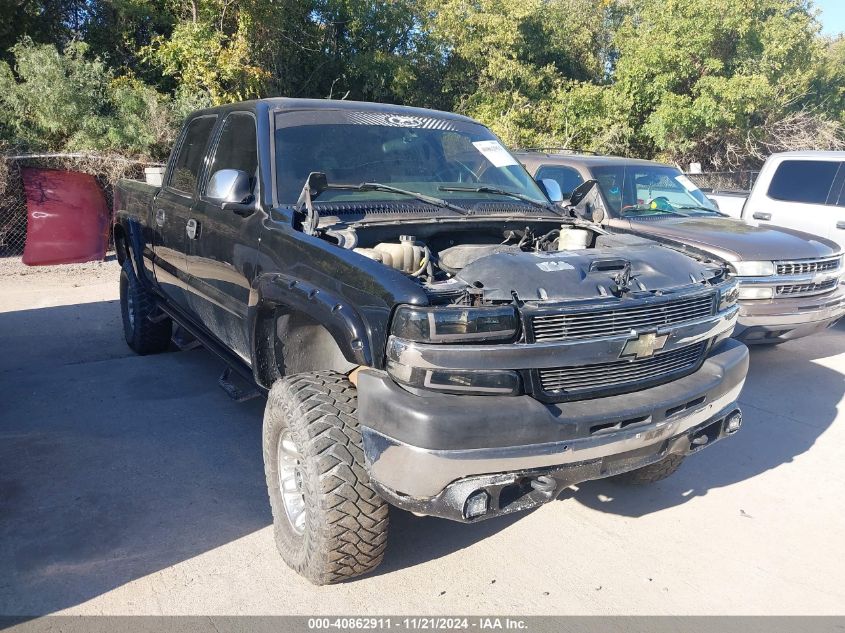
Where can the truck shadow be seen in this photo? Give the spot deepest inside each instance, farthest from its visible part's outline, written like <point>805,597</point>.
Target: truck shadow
<point>789,400</point>
<point>416,540</point>
<point>113,466</point>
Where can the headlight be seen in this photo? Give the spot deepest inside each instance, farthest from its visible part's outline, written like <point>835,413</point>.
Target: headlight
<point>495,382</point>
<point>455,324</point>
<point>728,296</point>
<point>756,292</point>
<point>753,269</point>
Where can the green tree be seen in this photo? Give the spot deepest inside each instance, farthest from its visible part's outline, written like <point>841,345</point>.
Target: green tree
<point>713,80</point>
<point>513,64</point>
<point>64,102</point>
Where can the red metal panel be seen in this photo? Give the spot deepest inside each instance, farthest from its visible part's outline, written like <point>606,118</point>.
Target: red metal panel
<point>67,217</point>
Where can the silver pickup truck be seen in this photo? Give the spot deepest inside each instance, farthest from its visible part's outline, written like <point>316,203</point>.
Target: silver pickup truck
<point>791,282</point>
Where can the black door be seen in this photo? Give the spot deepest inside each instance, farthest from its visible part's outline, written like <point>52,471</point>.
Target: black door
<point>223,248</point>
<point>172,208</point>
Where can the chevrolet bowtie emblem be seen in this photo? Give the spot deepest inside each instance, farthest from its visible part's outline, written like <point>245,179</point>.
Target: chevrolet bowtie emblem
<point>644,345</point>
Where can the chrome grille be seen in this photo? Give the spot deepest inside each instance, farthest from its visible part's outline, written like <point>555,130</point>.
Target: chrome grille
<point>609,322</point>
<point>581,380</point>
<point>806,267</point>
<point>807,289</point>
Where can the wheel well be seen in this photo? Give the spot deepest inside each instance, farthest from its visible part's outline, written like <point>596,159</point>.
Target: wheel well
<point>121,248</point>
<point>291,342</point>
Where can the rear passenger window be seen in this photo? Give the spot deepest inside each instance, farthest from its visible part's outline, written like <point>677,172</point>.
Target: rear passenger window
<point>237,147</point>
<point>806,181</point>
<point>567,177</point>
<point>186,167</point>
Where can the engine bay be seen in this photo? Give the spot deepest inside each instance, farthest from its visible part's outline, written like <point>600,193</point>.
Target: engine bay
<point>436,255</point>
<point>491,262</point>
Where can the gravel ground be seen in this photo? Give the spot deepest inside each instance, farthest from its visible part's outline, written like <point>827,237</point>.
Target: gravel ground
<point>133,485</point>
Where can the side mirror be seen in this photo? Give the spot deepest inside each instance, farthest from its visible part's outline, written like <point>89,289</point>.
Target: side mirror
<point>585,202</point>
<point>229,185</point>
<point>551,188</point>
<point>580,192</point>
<point>714,202</point>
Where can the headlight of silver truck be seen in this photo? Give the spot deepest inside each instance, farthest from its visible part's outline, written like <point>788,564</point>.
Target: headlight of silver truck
<point>756,292</point>
<point>752,269</point>
<point>455,324</point>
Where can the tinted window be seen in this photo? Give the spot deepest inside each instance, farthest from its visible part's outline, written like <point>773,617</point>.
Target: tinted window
<point>807,181</point>
<point>566,177</point>
<point>236,148</point>
<point>423,154</point>
<point>186,167</point>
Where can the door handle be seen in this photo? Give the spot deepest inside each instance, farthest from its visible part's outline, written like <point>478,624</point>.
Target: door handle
<point>192,228</point>
<point>840,225</point>
<point>762,216</point>
<point>160,216</point>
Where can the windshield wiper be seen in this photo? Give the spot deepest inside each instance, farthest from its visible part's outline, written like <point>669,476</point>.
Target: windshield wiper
<point>698,207</point>
<point>641,208</point>
<point>316,183</point>
<point>377,186</point>
<point>502,192</point>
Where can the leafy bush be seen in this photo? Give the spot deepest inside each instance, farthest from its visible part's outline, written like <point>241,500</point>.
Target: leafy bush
<point>62,101</point>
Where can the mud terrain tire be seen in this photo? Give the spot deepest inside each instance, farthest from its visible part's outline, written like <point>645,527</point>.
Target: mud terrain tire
<point>329,524</point>
<point>145,327</point>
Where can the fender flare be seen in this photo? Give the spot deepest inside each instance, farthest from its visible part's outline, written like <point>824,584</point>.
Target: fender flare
<point>274,292</point>
<point>133,238</point>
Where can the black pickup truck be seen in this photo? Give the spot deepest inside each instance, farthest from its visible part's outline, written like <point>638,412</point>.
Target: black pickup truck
<point>429,329</point>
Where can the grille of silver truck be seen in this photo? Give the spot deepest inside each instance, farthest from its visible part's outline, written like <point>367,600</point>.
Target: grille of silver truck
<point>582,380</point>
<point>601,321</point>
<point>806,289</point>
<point>805,267</point>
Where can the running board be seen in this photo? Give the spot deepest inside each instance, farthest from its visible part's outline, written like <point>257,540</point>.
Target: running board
<point>233,363</point>
<point>232,390</point>
<point>183,339</point>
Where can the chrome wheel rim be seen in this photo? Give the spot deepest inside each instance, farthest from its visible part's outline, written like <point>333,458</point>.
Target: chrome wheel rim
<point>290,482</point>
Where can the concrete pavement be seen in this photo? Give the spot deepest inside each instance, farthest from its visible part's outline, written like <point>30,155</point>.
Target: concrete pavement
<point>133,485</point>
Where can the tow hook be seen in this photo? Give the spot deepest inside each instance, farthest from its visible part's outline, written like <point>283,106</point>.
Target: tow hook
<point>728,425</point>
<point>544,485</point>
<point>733,422</point>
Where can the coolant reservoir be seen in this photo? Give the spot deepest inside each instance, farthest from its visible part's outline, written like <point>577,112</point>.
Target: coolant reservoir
<point>406,256</point>
<point>573,239</point>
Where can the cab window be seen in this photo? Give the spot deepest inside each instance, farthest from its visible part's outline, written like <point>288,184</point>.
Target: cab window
<point>236,147</point>
<point>567,177</point>
<point>188,162</point>
<point>805,181</point>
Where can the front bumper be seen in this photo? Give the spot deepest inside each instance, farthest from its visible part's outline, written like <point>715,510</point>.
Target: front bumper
<point>783,319</point>
<point>429,453</point>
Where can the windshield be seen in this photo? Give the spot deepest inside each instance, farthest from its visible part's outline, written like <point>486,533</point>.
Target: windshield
<point>419,154</point>
<point>650,190</point>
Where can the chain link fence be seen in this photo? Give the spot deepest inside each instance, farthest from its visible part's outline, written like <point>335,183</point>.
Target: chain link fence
<point>107,169</point>
<point>724,181</point>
